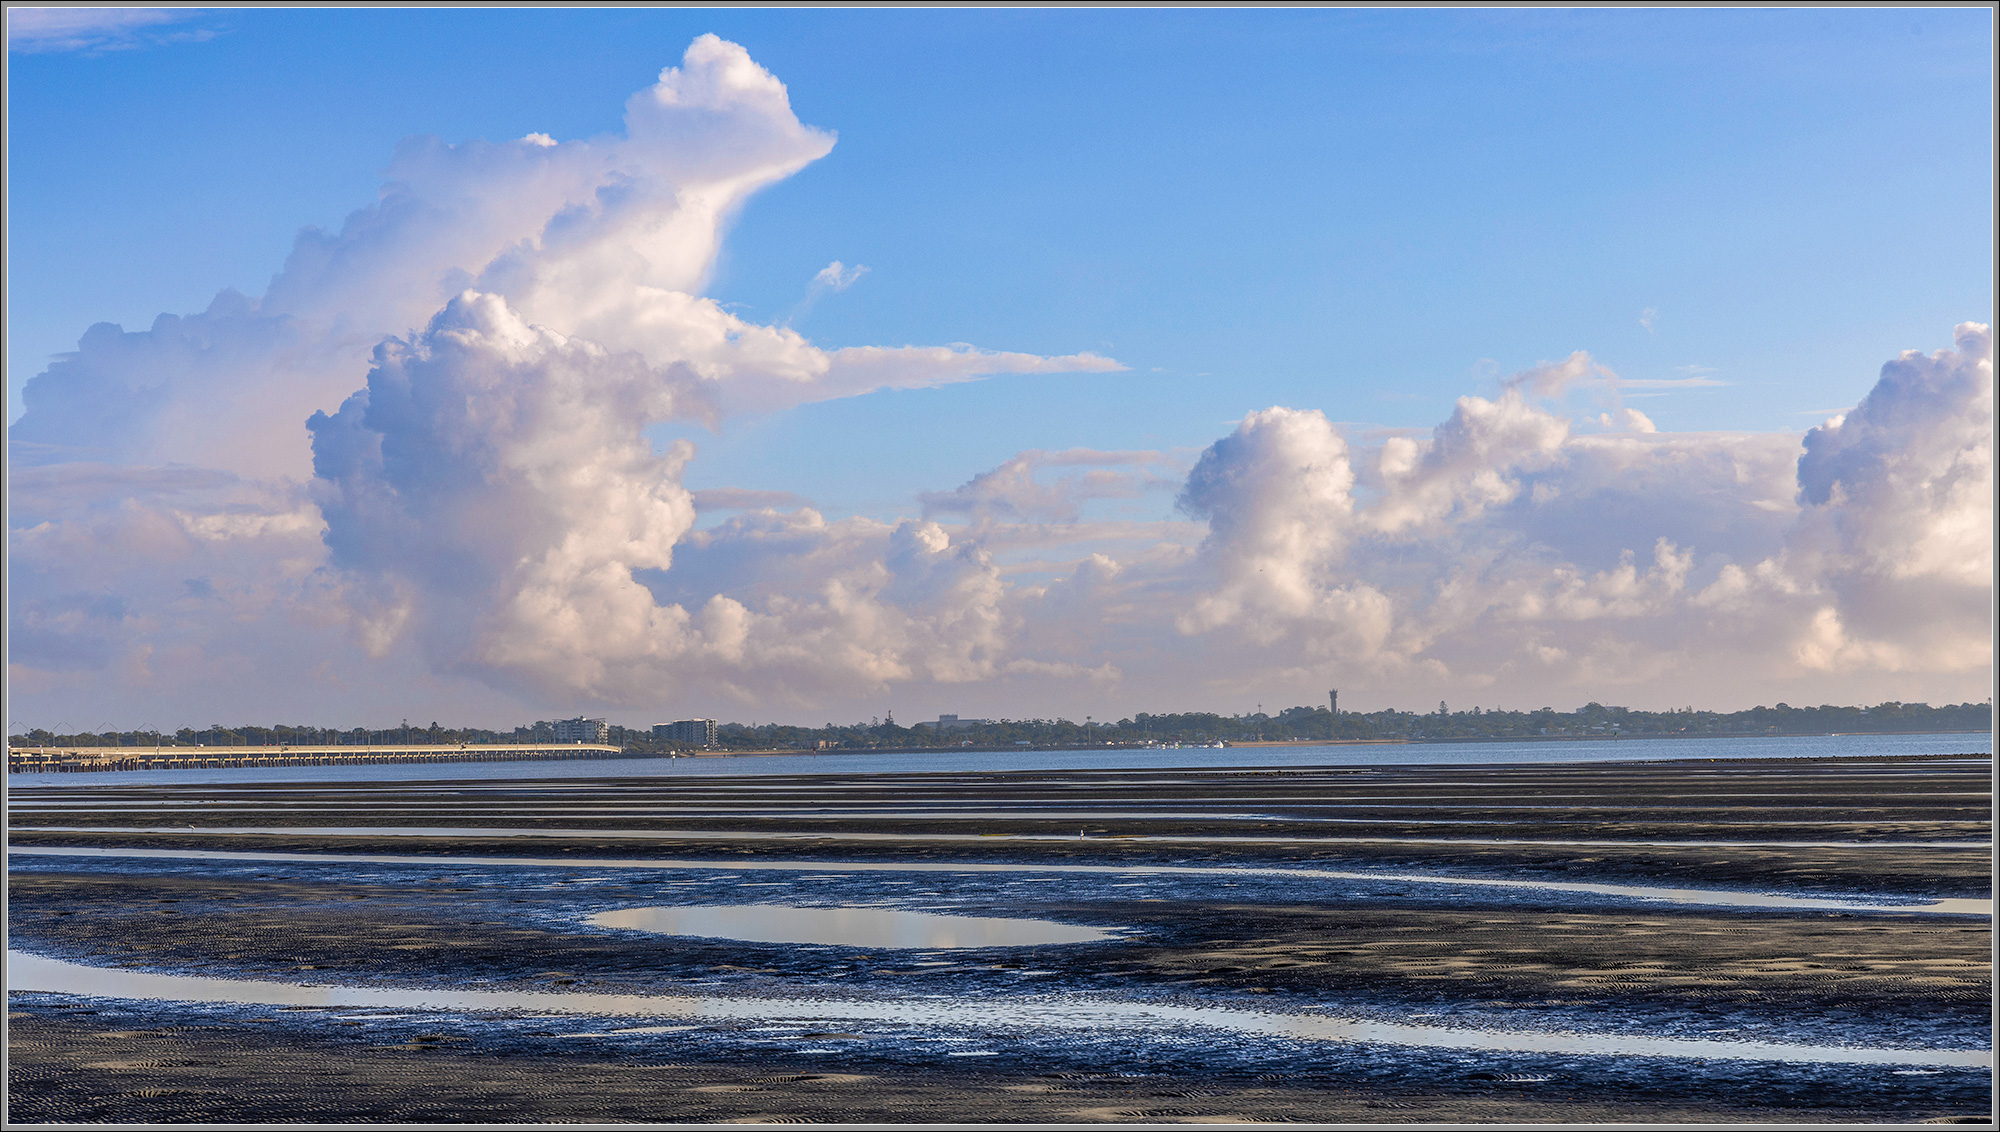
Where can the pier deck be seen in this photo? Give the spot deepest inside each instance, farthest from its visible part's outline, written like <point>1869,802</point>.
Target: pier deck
<point>75,759</point>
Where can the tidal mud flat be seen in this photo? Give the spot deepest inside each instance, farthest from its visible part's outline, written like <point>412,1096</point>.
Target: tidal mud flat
<point>1687,941</point>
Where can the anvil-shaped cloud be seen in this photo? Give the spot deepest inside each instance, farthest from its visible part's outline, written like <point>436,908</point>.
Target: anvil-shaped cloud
<point>209,516</point>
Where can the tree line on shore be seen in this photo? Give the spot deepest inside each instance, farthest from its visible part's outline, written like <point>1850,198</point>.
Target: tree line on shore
<point>1593,720</point>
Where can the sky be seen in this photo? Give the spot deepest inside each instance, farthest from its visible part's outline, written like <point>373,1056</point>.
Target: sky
<point>490,365</point>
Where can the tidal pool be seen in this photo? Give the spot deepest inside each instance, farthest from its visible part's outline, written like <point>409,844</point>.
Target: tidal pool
<point>850,927</point>
<point>26,972</point>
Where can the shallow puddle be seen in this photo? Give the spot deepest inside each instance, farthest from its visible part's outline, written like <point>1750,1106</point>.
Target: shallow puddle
<point>1708,897</point>
<point>851,927</point>
<point>27,972</point>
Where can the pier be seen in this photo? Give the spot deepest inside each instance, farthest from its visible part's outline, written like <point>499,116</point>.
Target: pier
<point>62,760</point>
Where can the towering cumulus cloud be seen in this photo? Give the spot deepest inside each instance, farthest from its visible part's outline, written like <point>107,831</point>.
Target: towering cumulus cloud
<point>530,307</point>
<point>454,485</point>
<point>1278,494</point>
<point>416,471</point>
<point>1894,553</point>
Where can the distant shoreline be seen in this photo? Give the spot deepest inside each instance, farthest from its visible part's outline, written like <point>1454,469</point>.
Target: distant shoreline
<point>772,752</point>
<point>1001,759</point>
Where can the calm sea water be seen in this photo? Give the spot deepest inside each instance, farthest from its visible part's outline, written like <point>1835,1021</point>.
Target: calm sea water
<point>975,762</point>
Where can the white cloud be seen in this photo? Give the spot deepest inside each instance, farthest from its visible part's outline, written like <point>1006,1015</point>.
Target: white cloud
<point>1278,497</point>
<point>1548,379</point>
<point>1472,461</point>
<point>1012,491</point>
<point>488,497</point>
<point>856,370</point>
<point>606,239</point>
<point>1896,538</point>
<point>53,30</point>
<point>486,523</point>
<point>1505,552</point>
<point>492,490</point>
<point>837,276</point>
<point>1696,382</point>
<point>747,499</point>
<point>492,505</point>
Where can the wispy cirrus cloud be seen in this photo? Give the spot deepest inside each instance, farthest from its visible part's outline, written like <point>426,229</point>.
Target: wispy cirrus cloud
<point>1701,381</point>
<point>747,499</point>
<point>837,276</point>
<point>834,277</point>
<point>89,30</point>
<point>1548,379</point>
<point>1014,490</point>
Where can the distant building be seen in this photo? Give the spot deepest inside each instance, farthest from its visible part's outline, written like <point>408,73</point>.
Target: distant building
<point>953,723</point>
<point>688,732</point>
<point>582,731</point>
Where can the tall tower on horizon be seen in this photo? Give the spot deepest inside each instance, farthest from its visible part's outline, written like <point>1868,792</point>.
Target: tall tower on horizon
<point>1333,713</point>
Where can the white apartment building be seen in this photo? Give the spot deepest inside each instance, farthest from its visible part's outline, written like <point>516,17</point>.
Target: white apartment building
<point>582,731</point>
<point>692,732</point>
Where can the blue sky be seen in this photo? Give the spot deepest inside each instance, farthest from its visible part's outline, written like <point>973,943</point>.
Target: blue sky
<point>1370,214</point>
<point>1367,212</point>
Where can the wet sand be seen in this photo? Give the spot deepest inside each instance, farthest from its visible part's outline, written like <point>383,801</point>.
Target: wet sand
<point>1382,948</point>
